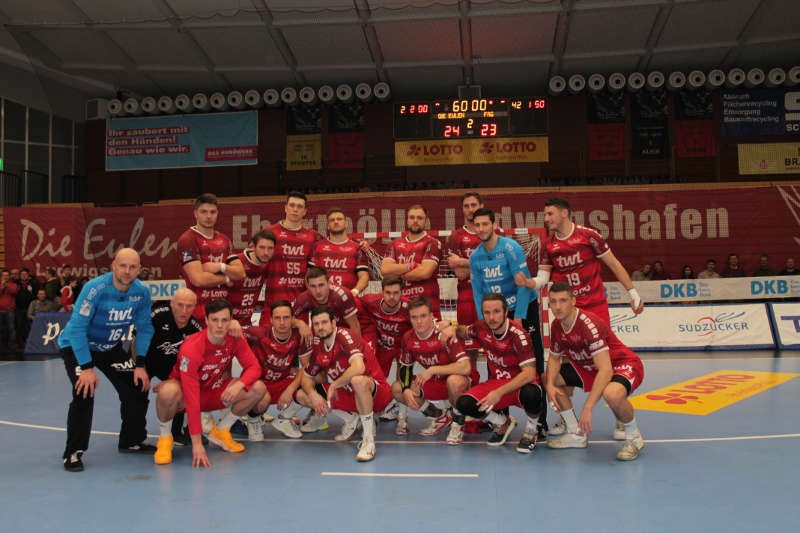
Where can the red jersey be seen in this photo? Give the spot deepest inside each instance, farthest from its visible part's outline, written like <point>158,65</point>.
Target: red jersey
<point>587,337</point>
<point>335,361</point>
<point>340,300</point>
<point>276,356</point>
<point>390,327</point>
<point>504,356</point>
<point>202,366</point>
<point>430,351</point>
<point>287,269</point>
<point>244,293</point>
<point>343,261</point>
<point>426,248</point>
<point>194,246</point>
<point>576,260</point>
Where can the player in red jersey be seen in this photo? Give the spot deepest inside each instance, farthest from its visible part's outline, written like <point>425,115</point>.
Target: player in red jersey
<point>584,352</point>
<point>513,379</point>
<point>415,257</point>
<point>200,382</point>
<point>388,314</point>
<point>278,349</point>
<point>205,257</point>
<point>243,294</point>
<point>574,254</point>
<point>293,247</point>
<point>447,374</point>
<point>343,258</point>
<point>357,387</point>
<point>321,292</point>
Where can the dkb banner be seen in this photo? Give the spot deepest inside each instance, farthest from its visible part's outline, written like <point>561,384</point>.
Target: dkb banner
<point>176,141</point>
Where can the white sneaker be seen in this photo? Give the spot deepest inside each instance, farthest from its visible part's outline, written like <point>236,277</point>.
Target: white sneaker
<point>287,427</point>
<point>558,428</point>
<point>366,450</point>
<point>619,431</point>
<point>631,448</point>
<point>348,428</point>
<point>569,440</point>
<point>456,434</point>
<point>267,418</point>
<point>314,423</point>
<point>255,428</point>
<point>402,427</point>
<point>390,413</point>
<point>436,425</point>
<point>208,422</point>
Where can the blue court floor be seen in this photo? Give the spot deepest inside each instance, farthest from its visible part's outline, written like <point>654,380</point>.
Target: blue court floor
<point>735,469</point>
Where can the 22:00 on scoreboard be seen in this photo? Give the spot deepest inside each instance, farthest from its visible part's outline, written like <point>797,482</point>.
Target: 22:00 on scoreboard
<point>470,118</point>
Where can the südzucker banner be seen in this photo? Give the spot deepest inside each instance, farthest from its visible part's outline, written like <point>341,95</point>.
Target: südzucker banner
<point>175,141</point>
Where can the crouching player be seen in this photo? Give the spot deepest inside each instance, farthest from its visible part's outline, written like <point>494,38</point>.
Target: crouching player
<point>584,352</point>
<point>357,387</point>
<point>448,374</point>
<point>199,383</point>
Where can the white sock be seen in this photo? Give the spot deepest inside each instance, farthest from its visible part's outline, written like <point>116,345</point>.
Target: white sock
<point>291,410</point>
<point>495,419</point>
<point>344,415</point>
<point>402,410</point>
<point>530,427</point>
<point>631,429</point>
<point>368,426</point>
<point>228,419</point>
<point>166,428</point>
<point>570,420</point>
<point>424,405</point>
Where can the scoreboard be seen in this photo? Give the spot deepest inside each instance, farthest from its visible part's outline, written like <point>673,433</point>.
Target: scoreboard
<point>470,118</point>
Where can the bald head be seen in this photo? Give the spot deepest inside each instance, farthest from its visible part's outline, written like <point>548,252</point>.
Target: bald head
<point>182,305</point>
<point>125,267</point>
<point>127,255</point>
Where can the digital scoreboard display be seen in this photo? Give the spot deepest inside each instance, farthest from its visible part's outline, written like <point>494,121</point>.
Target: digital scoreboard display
<point>474,118</point>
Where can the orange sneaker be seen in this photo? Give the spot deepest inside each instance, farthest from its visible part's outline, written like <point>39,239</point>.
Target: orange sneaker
<point>163,455</point>
<point>223,439</point>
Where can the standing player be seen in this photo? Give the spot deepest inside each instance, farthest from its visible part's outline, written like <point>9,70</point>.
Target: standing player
<point>343,258</point>
<point>321,292</point>
<point>586,353</point>
<point>447,374</point>
<point>203,252</point>
<point>243,294</point>
<point>513,379</point>
<point>415,257</point>
<point>201,382</point>
<point>106,312</point>
<point>357,386</point>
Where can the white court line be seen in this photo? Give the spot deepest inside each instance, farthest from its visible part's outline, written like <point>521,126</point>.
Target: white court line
<point>375,474</point>
<point>9,363</point>
<point>440,442</point>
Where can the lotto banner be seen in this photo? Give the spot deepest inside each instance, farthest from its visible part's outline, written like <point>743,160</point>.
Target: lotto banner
<point>754,112</point>
<point>700,290</point>
<point>769,158</point>
<point>786,323</point>
<point>177,141</point>
<point>694,327</point>
<point>471,151</point>
<point>304,152</point>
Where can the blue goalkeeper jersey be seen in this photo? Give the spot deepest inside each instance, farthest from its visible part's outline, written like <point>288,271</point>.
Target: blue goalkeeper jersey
<point>494,272</point>
<point>104,316</point>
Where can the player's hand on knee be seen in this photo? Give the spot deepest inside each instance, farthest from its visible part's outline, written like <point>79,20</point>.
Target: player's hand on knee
<point>87,382</point>
<point>585,422</point>
<point>319,404</point>
<point>140,376</point>
<point>231,392</point>
<point>488,402</point>
<point>411,399</point>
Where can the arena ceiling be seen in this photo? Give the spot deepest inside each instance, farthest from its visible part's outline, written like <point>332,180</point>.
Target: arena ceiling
<point>420,47</point>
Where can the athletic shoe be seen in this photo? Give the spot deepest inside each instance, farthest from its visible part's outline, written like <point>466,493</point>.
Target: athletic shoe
<point>436,425</point>
<point>631,448</point>
<point>528,442</point>
<point>163,455</point>
<point>348,428</point>
<point>181,438</point>
<point>390,413</point>
<point>268,418</point>
<point>142,447</point>
<point>366,450</point>
<point>476,426</point>
<point>541,433</point>
<point>287,427</point>
<point>619,431</point>
<point>501,433</point>
<point>569,440</point>
<point>240,428</point>
<point>208,422</point>
<point>456,434</point>
<point>314,423</point>
<point>558,428</point>
<point>73,463</point>
<point>402,427</point>
<point>223,439</point>
<point>255,428</point>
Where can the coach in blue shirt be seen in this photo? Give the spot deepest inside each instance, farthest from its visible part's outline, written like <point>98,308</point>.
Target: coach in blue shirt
<point>109,310</point>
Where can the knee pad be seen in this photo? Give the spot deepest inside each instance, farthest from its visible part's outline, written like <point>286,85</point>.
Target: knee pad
<point>467,405</point>
<point>530,396</point>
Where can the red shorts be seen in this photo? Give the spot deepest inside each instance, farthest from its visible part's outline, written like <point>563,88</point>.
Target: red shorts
<point>385,358</point>
<point>346,399</point>
<point>601,310</point>
<point>630,368</point>
<point>436,388</point>
<point>276,388</point>
<point>211,399</point>
<point>511,399</point>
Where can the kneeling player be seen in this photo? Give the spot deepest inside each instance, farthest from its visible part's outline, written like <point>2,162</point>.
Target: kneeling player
<point>357,386</point>
<point>448,373</point>
<point>198,383</point>
<point>513,379</point>
<point>584,352</point>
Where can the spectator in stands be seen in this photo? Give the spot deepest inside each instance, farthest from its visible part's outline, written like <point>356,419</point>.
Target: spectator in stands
<point>64,272</point>
<point>28,287</point>
<point>763,267</point>
<point>8,302</point>
<point>658,271</point>
<point>68,293</point>
<point>790,270</point>
<point>733,270</point>
<point>42,304</point>
<point>687,272</point>
<point>144,274</point>
<point>710,271</point>
<point>52,286</point>
<point>643,274</point>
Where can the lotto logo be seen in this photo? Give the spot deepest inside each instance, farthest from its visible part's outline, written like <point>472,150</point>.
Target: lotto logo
<point>676,398</point>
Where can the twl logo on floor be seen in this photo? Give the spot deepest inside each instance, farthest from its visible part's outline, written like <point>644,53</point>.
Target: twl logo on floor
<point>709,393</point>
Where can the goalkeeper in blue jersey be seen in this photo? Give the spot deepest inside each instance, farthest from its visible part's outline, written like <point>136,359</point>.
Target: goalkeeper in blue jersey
<point>493,265</point>
<point>110,309</point>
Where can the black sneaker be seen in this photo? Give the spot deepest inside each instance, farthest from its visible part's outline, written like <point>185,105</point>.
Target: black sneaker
<point>73,463</point>
<point>142,447</point>
<point>181,438</point>
<point>239,428</point>
<point>528,442</point>
<point>501,433</point>
<point>541,431</point>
